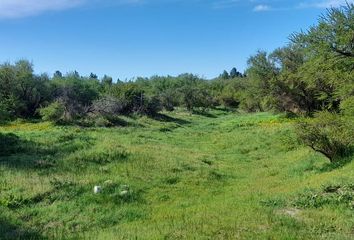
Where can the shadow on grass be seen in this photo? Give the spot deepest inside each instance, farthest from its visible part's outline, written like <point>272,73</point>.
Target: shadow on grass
<point>13,231</point>
<point>204,113</point>
<point>11,144</point>
<point>108,122</point>
<point>339,163</point>
<point>165,118</point>
<point>19,153</point>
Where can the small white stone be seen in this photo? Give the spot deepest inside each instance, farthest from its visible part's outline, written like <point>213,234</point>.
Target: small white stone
<point>97,189</point>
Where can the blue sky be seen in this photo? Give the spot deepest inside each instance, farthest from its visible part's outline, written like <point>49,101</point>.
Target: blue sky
<point>129,38</point>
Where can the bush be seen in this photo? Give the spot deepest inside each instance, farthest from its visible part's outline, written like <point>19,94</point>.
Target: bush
<point>108,106</point>
<point>131,98</point>
<point>327,133</point>
<point>347,106</point>
<point>168,100</point>
<point>103,122</point>
<point>228,96</point>
<point>54,112</point>
<point>196,98</point>
<point>4,114</point>
<point>151,106</point>
<point>229,101</point>
<point>250,104</point>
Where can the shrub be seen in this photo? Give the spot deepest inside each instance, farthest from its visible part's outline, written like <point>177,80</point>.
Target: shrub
<point>196,98</point>
<point>229,97</point>
<point>168,100</point>
<point>4,113</point>
<point>250,104</point>
<point>347,106</point>
<point>151,106</point>
<point>103,122</point>
<point>108,106</point>
<point>229,101</point>
<point>131,98</point>
<point>327,133</point>
<point>54,112</point>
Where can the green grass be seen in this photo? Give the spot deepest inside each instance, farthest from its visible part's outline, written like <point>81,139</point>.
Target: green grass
<point>220,176</point>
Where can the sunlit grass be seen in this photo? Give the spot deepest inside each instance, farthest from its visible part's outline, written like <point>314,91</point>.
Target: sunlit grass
<point>229,176</point>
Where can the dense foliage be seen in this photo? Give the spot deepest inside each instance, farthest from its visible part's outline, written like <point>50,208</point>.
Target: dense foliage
<point>185,176</point>
<point>329,134</point>
<point>312,73</point>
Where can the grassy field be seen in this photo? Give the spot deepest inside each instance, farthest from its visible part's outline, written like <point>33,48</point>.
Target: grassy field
<point>217,176</point>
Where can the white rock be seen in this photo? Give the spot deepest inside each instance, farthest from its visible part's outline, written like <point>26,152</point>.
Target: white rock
<point>97,189</point>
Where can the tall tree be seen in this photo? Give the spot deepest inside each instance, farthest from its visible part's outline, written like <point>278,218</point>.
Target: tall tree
<point>93,76</point>
<point>107,80</point>
<point>57,74</point>
<point>225,75</point>
<point>234,73</point>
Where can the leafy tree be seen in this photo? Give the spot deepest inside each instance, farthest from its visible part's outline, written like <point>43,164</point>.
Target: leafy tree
<point>329,134</point>
<point>332,35</point>
<point>54,112</point>
<point>169,99</point>
<point>57,74</point>
<point>194,97</point>
<point>93,76</point>
<point>225,75</point>
<point>107,81</point>
<point>234,73</point>
<point>4,113</point>
<point>133,99</point>
<point>262,75</point>
<point>76,94</point>
<point>330,53</point>
<point>289,88</point>
<point>22,92</point>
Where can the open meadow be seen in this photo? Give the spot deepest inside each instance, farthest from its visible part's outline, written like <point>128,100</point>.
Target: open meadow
<point>152,119</point>
<point>220,175</point>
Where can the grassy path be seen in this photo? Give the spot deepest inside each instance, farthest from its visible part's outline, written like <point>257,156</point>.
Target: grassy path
<point>225,176</point>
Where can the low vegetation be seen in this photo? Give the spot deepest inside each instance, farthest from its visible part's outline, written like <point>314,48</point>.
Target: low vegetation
<point>181,176</point>
<point>329,134</point>
<point>239,156</point>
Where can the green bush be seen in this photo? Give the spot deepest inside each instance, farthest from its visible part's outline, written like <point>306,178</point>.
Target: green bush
<point>4,114</point>
<point>103,122</point>
<point>327,133</point>
<point>347,106</point>
<point>54,112</point>
<point>250,104</point>
<point>169,99</point>
<point>151,106</point>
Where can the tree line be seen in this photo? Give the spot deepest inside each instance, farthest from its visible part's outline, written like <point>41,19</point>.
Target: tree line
<point>310,76</point>
<point>69,97</point>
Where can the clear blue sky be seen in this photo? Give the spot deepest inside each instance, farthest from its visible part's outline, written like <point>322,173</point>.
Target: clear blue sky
<point>128,38</point>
